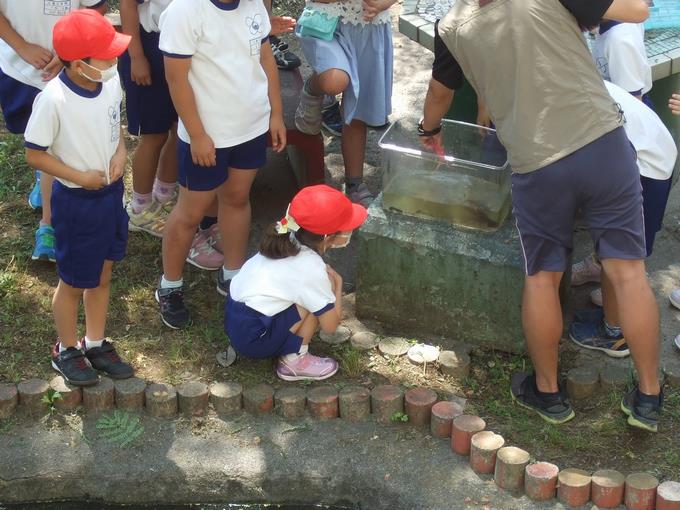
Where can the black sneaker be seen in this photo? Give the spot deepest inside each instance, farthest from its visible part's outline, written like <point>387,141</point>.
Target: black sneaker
<point>106,359</point>
<point>74,366</point>
<point>643,410</point>
<point>222,284</point>
<point>554,408</point>
<point>173,312</point>
<point>331,119</point>
<point>285,59</point>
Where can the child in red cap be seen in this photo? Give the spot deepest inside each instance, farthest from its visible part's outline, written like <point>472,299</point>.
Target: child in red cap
<point>286,291</point>
<point>74,135</point>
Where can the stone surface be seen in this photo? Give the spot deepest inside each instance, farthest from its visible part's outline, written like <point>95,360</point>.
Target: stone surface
<point>443,414</point>
<point>418,404</point>
<point>341,335</point>
<point>484,448</point>
<point>70,397</point>
<point>668,496</point>
<point>607,488</point>
<point>394,346</point>
<point>31,393</point>
<point>227,397</point>
<point>640,493</point>
<point>540,481</point>
<point>573,487</point>
<point>322,402</point>
<point>455,364</point>
<point>582,382</point>
<point>290,402</point>
<point>100,397</point>
<point>161,400</point>
<point>463,428</point>
<point>258,399</point>
<point>365,340</point>
<point>355,403</point>
<point>468,283</point>
<point>129,394</point>
<point>422,353</point>
<point>9,399</point>
<point>193,398</point>
<point>511,463</point>
<point>386,400</point>
<point>614,376</point>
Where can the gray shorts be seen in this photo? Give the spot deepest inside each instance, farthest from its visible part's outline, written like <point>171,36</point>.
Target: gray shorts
<point>601,183</point>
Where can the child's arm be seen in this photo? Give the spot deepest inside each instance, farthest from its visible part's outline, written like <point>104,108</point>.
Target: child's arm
<point>330,320</point>
<point>35,55</point>
<point>92,179</point>
<point>674,104</point>
<point>374,7</point>
<point>277,128</point>
<point>627,11</point>
<point>118,160</point>
<point>177,75</point>
<point>129,17</point>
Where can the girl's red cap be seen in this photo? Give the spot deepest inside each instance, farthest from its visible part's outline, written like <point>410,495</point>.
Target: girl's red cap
<point>84,33</point>
<point>323,210</point>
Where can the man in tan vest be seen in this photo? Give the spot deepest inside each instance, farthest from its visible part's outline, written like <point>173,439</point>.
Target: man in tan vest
<point>532,69</point>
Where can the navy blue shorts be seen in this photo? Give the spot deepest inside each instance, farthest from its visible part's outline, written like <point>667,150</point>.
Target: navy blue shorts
<point>149,108</point>
<point>601,181</point>
<point>16,101</point>
<point>256,335</point>
<point>90,227</point>
<point>655,197</point>
<point>249,155</point>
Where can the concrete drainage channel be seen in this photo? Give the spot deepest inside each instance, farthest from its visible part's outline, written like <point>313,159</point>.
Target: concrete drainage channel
<point>258,444</point>
<point>84,505</point>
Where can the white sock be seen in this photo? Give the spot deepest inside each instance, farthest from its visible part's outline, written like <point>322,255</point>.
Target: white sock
<point>90,344</point>
<point>62,347</point>
<point>169,284</point>
<point>304,349</point>
<point>229,274</point>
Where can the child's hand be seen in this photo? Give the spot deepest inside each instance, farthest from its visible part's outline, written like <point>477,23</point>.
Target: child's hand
<point>52,69</point>
<point>282,24</point>
<point>203,151</point>
<point>674,104</point>
<point>117,166</point>
<point>374,7</point>
<point>35,55</point>
<point>140,70</point>
<point>277,130</point>
<point>433,143</point>
<point>92,179</point>
<point>336,279</point>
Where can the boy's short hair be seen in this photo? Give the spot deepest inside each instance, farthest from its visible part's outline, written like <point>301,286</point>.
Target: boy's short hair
<point>67,63</point>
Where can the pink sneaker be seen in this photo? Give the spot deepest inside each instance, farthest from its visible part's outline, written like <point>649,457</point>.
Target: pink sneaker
<point>307,367</point>
<point>202,254</point>
<point>586,271</point>
<point>215,238</point>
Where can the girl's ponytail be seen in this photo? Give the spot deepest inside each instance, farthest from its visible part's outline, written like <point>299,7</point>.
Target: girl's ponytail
<point>279,246</point>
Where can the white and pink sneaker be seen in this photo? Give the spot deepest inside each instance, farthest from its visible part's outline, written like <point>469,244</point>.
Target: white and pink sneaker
<point>306,367</point>
<point>203,254</point>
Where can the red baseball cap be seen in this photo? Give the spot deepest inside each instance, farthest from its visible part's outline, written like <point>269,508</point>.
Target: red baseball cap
<point>323,210</point>
<point>84,33</point>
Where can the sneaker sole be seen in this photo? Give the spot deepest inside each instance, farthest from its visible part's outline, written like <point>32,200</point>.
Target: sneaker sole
<point>221,292</point>
<point>74,383</point>
<point>196,264</point>
<point>581,283</point>
<point>548,418</point>
<point>673,302</point>
<point>135,228</point>
<point>42,258</point>
<point>306,377</point>
<point>608,352</point>
<point>638,424</point>
<point>331,131</point>
<point>33,206</point>
<point>163,318</point>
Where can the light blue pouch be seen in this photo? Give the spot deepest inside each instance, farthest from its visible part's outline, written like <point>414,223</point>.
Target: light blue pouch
<point>317,24</point>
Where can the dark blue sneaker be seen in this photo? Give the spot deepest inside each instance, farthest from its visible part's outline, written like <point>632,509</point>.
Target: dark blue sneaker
<point>594,336</point>
<point>44,244</point>
<point>74,366</point>
<point>554,408</point>
<point>331,119</point>
<point>285,59</point>
<point>106,359</point>
<point>222,284</point>
<point>174,312</point>
<point>593,315</point>
<point>643,411</point>
<point>35,197</point>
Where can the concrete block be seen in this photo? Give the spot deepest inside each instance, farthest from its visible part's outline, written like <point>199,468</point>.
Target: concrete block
<point>418,404</point>
<point>323,402</point>
<point>641,491</point>
<point>31,393</point>
<point>226,398</point>
<point>426,36</point>
<point>258,399</point>
<point>540,481</point>
<point>463,428</point>
<point>355,403</point>
<point>129,394</point>
<point>290,402</point>
<point>386,400</point>
<point>443,414</point>
<point>101,396</point>
<point>573,487</point>
<point>193,398</point>
<point>454,363</point>
<point>511,463</point>
<point>9,399</point>
<point>70,397</point>
<point>607,488</point>
<point>668,496</point>
<point>661,67</point>
<point>161,400</point>
<point>365,340</point>
<point>409,24</point>
<point>582,382</point>
<point>484,448</point>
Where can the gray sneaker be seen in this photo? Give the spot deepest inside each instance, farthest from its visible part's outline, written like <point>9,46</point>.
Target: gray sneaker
<point>361,195</point>
<point>308,113</point>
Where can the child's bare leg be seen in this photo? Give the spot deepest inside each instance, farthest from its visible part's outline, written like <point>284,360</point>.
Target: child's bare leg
<point>65,304</point>
<point>331,82</point>
<point>354,148</point>
<point>146,161</point>
<point>167,164</point>
<point>234,216</point>
<point>306,327</point>
<point>180,228</point>
<point>96,303</point>
<point>46,194</point>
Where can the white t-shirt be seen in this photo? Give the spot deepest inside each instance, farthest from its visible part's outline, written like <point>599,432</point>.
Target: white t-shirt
<point>653,142</point>
<point>150,12</point>
<point>224,42</point>
<point>79,127</point>
<point>270,286</point>
<point>621,57</point>
<point>33,20</point>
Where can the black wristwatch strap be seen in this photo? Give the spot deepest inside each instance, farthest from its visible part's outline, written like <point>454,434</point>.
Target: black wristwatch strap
<point>432,132</point>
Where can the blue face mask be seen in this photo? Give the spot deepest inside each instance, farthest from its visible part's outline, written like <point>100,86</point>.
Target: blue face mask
<point>106,74</point>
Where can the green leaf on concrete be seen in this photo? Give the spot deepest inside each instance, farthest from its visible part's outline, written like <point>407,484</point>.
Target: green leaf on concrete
<point>120,428</point>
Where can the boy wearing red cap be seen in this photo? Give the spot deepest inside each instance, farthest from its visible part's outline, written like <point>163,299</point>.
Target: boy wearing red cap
<point>74,135</point>
<point>286,291</point>
<point>27,63</point>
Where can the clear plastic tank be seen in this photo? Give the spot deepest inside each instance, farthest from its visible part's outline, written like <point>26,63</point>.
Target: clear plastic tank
<point>468,185</point>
